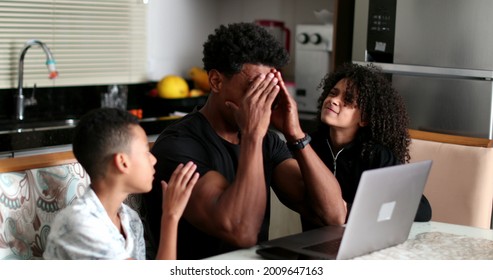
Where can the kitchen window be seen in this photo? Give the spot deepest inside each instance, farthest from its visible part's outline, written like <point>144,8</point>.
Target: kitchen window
<point>93,41</point>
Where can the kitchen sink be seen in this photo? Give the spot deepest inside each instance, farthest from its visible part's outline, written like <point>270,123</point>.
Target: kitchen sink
<point>13,126</point>
<point>20,136</point>
<point>150,125</point>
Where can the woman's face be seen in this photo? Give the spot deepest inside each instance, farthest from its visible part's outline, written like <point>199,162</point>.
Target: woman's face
<point>336,113</point>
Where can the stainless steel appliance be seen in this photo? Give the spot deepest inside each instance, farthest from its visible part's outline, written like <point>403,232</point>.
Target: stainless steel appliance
<point>312,57</point>
<point>439,55</point>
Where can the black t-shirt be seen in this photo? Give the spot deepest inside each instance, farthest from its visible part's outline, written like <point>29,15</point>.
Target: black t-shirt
<point>192,138</point>
<point>350,164</point>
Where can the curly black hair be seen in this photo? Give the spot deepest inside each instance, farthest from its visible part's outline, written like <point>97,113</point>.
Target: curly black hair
<point>236,44</point>
<point>99,135</point>
<point>380,104</point>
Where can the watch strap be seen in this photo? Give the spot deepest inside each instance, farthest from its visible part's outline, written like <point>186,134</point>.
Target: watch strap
<point>300,143</point>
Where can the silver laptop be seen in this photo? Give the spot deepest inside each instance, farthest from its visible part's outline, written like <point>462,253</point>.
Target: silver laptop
<point>382,214</point>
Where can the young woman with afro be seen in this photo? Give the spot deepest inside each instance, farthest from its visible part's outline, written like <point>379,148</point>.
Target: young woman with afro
<point>362,125</point>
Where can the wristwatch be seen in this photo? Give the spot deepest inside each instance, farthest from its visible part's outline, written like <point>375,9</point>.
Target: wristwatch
<point>300,143</point>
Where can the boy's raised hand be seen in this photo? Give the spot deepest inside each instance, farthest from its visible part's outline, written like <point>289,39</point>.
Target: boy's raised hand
<point>177,192</point>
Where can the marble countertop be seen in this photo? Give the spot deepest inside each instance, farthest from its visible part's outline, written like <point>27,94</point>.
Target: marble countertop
<point>429,240</point>
<point>440,241</point>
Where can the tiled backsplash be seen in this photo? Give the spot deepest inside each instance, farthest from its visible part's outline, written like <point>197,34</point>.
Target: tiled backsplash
<point>67,102</point>
<point>73,102</point>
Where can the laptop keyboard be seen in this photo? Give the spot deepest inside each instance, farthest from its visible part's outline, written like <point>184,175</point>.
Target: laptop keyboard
<point>327,247</point>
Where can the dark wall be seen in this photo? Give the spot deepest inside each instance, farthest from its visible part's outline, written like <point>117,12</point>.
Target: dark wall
<point>343,32</point>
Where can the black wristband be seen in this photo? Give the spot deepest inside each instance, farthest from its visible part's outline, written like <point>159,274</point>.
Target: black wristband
<point>300,143</point>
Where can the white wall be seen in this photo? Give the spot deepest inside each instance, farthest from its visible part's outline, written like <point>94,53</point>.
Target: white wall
<point>176,32</point>
<point>178,28</point>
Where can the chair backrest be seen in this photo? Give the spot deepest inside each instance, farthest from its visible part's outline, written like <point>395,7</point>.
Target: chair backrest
<point>460,184</point>
<point>30,200</point>
<point>33,189</point>
<point>451,139</point>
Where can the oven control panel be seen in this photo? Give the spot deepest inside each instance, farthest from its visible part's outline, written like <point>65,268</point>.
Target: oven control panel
<point>314,37</point>
<point>312,59</point>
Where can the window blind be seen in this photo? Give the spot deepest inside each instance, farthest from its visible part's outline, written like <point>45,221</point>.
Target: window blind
<point>93,41</point>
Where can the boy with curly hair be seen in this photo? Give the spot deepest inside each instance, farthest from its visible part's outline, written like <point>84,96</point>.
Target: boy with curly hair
<point>362,125</point>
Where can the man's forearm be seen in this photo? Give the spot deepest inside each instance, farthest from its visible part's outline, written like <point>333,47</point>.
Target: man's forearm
<point>244,202</point>
<point>322,188</point>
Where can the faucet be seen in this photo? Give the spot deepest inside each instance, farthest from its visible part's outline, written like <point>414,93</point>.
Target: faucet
<point>50,63</point>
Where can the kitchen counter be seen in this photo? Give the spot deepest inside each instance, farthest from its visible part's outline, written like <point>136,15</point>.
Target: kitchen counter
<point>49,139</point>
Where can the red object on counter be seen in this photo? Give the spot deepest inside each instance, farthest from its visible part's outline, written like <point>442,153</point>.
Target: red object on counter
<point>153,93</point>
<point>136,112</point>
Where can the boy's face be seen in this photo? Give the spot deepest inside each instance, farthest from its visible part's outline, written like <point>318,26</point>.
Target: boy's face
<point>141,161</point>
